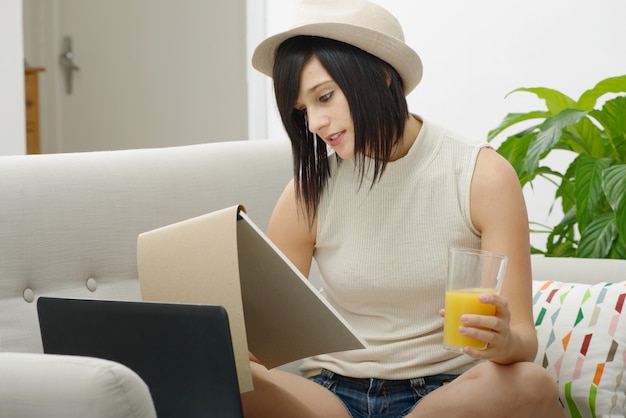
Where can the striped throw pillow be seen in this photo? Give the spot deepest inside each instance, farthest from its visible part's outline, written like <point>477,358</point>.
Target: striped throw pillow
<point>582,343</point>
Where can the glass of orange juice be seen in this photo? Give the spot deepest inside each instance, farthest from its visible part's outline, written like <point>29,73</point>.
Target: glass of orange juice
<point>471,272</point>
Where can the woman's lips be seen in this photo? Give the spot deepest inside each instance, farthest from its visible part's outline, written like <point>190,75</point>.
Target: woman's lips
<point>336,138</point>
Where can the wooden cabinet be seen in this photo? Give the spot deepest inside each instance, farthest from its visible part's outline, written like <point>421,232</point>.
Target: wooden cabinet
<point>31,84</point>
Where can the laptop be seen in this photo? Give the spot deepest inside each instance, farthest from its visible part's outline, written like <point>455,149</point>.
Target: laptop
<point>183,352</point>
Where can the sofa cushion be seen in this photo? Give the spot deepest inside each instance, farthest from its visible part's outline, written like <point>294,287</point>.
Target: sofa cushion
<point>582,343</point>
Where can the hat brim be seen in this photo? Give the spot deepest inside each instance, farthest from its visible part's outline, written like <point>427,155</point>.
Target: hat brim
<point>391,50</point>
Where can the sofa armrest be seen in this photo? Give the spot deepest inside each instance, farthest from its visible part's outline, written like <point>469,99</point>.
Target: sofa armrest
<point>578,270</point>
<point>51,386</point>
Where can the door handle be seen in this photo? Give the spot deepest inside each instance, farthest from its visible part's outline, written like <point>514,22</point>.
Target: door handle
<point>67,62</point>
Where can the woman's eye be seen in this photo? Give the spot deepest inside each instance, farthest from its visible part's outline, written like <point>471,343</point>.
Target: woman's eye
<point>326,97</point>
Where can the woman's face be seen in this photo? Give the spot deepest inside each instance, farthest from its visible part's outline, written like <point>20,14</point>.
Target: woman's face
<point>326,108</point>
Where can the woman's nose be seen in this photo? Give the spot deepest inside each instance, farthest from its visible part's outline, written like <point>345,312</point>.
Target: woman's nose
<point>316,121</point>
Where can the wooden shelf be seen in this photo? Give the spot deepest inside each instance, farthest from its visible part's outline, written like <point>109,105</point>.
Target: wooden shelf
<point>31,84</point>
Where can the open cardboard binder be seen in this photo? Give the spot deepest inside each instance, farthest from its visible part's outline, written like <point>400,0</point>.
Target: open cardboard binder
<point>223,258</point>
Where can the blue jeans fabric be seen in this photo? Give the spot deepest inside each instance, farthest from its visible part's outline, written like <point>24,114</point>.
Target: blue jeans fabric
<point>378,398</point>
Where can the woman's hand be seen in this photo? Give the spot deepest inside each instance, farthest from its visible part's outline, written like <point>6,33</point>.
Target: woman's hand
<point>494,330</point>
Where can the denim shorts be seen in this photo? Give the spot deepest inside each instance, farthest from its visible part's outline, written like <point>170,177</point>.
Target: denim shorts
<point>378,398</point>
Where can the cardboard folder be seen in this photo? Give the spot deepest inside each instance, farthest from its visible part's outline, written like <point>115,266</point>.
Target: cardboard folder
<point>223,258</point>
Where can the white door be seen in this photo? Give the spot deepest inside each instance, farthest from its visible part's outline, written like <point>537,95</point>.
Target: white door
<point>150,73</point>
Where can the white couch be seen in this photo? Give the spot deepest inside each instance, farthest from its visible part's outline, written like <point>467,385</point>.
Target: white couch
<point>69,225</point>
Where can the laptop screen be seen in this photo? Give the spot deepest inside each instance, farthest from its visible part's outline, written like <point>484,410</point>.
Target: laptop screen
<point>182,352</point>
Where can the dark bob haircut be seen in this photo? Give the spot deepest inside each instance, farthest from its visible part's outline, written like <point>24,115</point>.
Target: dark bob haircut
<point>375,95</point>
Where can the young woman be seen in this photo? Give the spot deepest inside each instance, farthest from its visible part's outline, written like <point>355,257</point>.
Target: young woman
<point>379,195</point>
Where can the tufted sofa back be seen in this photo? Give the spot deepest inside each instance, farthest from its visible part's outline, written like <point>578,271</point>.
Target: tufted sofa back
<point>69,222</point>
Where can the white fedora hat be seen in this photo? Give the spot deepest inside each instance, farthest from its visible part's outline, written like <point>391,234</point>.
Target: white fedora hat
<point>365,25</point>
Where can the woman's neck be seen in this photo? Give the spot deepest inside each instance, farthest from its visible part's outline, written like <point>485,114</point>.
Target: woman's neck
<point>411,130</point>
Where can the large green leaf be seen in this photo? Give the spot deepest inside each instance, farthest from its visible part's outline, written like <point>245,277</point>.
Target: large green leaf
<point>556,101</point>
<point>612,117</point>
<point>514,149</point>
<point>619,249</point>
<point>587,100</point>
<point>565,192</point>
<point>549,134</point>
<point>513,119</point>
<point>597,240</point>
<point>586,138</point>
<point>614,186</point>
<point>588,188</point>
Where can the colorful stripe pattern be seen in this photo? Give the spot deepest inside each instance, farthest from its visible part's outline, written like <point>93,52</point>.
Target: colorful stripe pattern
<point>582,343</point>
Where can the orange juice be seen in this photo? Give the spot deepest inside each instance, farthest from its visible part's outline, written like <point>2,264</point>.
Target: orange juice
<point>459,302</point>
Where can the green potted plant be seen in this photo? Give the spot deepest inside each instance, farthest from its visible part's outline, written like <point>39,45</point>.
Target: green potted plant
<point>592,190</point>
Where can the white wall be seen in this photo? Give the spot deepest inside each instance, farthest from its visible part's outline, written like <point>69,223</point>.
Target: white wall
<point>12,115</point>
<point>474,53</point>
